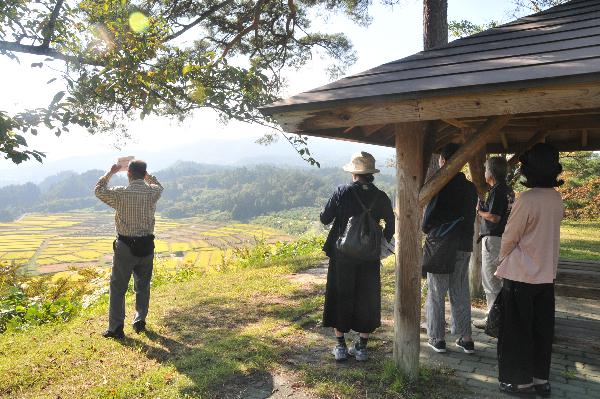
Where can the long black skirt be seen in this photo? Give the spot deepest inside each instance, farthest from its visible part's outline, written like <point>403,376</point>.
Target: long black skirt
<point>353,296</point>
<point>526,332</point>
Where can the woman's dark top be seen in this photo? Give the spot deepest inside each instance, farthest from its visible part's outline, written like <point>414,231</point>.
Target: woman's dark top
<point>456,199</point>
<point>342,205</point>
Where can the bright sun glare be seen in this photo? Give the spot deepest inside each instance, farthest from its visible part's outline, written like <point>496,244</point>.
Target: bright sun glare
<point>138,22</point>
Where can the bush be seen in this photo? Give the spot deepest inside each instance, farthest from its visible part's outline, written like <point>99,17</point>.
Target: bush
<point>262,254</point>
<point>28,301</point>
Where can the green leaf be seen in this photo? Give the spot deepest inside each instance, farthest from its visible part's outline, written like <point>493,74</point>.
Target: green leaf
<point>57,97</point>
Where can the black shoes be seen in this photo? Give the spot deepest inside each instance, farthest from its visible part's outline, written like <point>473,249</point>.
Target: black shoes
<point>117,333</point>
<point>467,346</point>
<point>438,345</point>
<point>513,389</point>
<point>543,389</point>
<point>139,326</point>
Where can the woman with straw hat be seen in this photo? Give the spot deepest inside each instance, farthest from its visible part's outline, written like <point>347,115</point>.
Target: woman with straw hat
<point>353,293</point>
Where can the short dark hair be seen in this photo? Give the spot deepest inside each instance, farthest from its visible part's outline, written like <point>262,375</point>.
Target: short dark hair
<point>137,169</point>
<point>449,150</point>
<point>540,166</point>
<point>498,168</point>
<point>367,177</point>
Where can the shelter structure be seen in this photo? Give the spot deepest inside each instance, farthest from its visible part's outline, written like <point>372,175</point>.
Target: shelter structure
<point>500,91</point>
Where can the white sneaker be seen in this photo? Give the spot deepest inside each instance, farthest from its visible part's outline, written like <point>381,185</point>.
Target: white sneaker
<point>360,354</point>
<point>340,352</point>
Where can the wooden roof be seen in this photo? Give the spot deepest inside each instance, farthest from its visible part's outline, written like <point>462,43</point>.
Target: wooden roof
<point>544,69</point>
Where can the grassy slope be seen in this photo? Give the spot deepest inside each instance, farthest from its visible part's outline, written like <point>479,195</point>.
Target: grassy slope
<point>207,335</point>
<point>209,332</point>
<point>580,240</point>
<point>203,331</point>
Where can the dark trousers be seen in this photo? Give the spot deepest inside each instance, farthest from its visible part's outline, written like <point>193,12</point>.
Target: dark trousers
<point>124,265</point>
<point>526,333</point>
<point>353,296</point>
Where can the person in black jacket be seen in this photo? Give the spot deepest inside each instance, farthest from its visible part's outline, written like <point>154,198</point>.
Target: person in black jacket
<point>353,292</point>
<point>453,204</point>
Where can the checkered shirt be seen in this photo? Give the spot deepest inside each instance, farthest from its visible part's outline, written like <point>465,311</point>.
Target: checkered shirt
<point>135,204</point>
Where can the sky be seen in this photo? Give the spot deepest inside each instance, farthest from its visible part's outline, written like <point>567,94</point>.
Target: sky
<point>396,32</point>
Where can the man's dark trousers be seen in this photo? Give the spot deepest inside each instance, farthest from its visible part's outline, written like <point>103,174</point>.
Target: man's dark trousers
<point>124,265</point>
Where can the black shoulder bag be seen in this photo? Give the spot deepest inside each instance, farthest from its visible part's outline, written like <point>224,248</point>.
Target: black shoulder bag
<point>361,240</point>
<point>439,251</point>
<point>494,318</point>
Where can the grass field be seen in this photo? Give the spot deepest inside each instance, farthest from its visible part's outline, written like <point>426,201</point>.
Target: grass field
<point>217,335</point>
<point>53,243</point>
<point>214,332</point>
<point>580,240</point>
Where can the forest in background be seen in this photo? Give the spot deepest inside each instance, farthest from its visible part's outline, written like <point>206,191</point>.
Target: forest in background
<point>191,189</point>
<point>279,196</point>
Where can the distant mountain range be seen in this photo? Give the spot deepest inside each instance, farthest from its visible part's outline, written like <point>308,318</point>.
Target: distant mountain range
<point>238,152</point>
<point>216,192</point>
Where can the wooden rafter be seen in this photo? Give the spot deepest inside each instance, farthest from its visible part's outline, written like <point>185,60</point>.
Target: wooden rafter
<point>371,129</point>
<point>474,144</point>
<point>504,140</point>
<point>539,137</point>
<point>456,123</point>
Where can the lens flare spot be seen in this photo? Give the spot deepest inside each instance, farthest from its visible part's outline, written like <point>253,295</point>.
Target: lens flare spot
<point>138,22</point>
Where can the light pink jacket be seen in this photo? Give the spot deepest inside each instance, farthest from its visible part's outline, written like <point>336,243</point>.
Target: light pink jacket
<point>531,240</point>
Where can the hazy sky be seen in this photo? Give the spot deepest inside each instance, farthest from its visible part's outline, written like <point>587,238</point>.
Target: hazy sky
<point>396,32</point>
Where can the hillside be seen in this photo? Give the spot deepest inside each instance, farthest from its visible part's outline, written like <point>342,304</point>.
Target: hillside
<point>219,193</point>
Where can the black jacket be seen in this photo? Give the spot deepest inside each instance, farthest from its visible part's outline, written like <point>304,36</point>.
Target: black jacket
<point>457,199</point>
<point>342,205</point>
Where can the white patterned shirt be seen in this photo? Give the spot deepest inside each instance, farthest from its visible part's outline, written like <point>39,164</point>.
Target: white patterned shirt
<point>135,204</point>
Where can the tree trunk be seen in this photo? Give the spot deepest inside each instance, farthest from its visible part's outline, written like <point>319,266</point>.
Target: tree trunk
<point>435,34</point>
<point>435,23</point>
<point>476,168</point>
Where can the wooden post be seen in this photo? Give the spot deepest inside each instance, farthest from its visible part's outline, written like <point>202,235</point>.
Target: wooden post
<point>476,168</point>
<point>475,285</point>
<point>407,304</point>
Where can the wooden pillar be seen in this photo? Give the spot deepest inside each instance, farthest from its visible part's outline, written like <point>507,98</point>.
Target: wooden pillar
<point>407,304</point>
<point>477,171</point>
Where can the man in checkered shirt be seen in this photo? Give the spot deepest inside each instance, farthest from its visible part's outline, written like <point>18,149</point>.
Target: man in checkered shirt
<point>135,206</point>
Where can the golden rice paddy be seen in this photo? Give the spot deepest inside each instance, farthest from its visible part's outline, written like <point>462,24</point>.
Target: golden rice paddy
<point>58,242</point>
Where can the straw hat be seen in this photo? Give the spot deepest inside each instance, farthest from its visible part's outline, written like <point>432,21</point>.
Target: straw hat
<point>361,163</point>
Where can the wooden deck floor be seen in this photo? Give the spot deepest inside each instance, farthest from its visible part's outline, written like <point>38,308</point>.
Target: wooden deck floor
<point>579,279</point>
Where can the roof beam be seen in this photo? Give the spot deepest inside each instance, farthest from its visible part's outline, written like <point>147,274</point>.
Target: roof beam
<point>473,144</point>
<point>372,111</point>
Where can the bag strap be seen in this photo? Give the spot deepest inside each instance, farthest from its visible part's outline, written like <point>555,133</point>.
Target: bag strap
<point>449,226</point>
<point>363,205</point>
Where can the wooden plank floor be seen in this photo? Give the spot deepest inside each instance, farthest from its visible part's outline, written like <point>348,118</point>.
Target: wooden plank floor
<point>579,279</point>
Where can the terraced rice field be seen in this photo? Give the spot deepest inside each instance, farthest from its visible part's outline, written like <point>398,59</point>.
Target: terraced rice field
<point>57,242</point>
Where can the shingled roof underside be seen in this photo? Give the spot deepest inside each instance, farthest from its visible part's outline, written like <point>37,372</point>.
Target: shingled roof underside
<point>561,42</point>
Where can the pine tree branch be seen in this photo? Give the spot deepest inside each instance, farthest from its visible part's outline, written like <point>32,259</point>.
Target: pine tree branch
<point>49,28</point>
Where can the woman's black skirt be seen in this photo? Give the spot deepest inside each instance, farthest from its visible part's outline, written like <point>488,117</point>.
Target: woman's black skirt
<point>353,296</point>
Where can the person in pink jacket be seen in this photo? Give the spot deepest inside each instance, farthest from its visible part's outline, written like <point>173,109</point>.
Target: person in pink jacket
<point>528,262</point>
